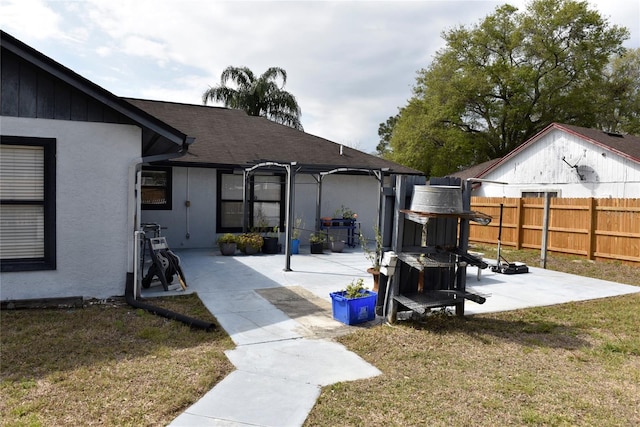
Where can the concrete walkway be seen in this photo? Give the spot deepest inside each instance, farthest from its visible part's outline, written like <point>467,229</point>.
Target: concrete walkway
<point>284,357</point>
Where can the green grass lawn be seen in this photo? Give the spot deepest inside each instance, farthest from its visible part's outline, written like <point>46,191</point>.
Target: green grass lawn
<point>106,364</point>
<point>110,364</point>
<point>564,365</point>
<point>571,364</point>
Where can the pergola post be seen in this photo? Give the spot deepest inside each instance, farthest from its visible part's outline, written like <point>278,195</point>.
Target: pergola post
<point>289,202</point>
<point>318,201</point>
<point>289,214</point>
<point>245,201</point>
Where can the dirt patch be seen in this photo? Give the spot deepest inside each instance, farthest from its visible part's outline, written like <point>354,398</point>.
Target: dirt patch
<point>313,313</point>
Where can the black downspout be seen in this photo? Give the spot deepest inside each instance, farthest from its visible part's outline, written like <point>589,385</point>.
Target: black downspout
<point>194,323</point>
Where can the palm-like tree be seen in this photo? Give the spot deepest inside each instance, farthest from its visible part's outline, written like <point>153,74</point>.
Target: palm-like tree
<point>257,97</point>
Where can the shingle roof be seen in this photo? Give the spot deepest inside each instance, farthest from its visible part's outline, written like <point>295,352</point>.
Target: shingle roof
<point>625,145</point>
<point>476,170</point>
<point>226,137</point>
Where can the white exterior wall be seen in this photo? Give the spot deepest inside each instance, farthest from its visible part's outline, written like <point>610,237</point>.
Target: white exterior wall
<point>198,185</point>
<point>539,167</point>
<point>198,221</point>
<point>305,197</point>
<point>361,194</point>
<point>93,226</point>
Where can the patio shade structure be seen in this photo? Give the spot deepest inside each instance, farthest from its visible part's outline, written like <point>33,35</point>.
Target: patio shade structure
<point>319,173</point>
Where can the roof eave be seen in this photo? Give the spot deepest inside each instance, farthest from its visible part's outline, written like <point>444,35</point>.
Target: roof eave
<point>178,140</point>
<point>599,144</point>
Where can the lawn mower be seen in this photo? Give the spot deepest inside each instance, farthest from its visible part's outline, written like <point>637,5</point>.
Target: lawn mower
<point>502,265</point>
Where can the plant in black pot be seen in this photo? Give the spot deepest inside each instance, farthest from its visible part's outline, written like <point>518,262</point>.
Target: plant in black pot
<point>271,241</point>
<point>344,216</point>
<point>228,244</point>
<point>316,242</point>
<point>348,214</point>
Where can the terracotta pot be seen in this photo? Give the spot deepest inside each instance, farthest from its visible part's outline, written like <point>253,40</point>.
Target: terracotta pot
<point>376,278</point>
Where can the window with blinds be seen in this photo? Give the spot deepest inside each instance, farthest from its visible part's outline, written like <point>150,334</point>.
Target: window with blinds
<point>25,193</point>
<point>156,188</point>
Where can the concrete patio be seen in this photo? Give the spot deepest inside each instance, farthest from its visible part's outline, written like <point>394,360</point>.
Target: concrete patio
<point>282,326</point>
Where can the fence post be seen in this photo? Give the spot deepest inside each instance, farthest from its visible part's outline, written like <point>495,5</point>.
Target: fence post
<point>519,205</point>
<point>591,232</point>
<point>545,229</point>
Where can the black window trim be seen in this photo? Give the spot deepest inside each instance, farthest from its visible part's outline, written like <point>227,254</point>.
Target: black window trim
<point>49,261</point>
<point>251,197</point>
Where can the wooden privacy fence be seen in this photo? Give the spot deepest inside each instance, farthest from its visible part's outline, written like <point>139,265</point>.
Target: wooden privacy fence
<point>600,229</point>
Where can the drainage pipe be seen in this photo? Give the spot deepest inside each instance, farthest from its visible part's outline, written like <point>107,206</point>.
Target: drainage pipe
<point>194,323</point>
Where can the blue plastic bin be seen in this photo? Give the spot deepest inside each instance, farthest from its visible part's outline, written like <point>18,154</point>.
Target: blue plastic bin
<point>356,310</point>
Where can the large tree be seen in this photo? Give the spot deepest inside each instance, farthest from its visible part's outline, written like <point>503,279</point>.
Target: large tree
<point>620,100</point>
<point>261,96</point>
<point>496,84</point>
<point>385,132</point>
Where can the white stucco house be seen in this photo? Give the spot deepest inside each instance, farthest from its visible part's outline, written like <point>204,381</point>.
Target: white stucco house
<point>70,152</point>
<point>81,169</point>
<point>206,185</point>
<point>567,161</point>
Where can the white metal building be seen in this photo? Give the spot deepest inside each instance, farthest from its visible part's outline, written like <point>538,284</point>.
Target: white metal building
<point>566,161</point>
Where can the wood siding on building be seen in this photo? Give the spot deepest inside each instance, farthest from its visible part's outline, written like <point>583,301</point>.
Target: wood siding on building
<point>548,165</point>
<point>43,96</point>
<point>600,229</point>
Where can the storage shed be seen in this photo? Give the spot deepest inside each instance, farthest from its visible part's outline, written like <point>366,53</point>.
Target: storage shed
<point>566,161</point>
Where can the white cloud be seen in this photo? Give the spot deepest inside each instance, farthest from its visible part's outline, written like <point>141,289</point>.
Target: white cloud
<point>351,65</point>
<point>32,17</point>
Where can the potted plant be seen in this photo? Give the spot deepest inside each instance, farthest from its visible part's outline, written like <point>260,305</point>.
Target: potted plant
<point>374,255</point>
<point>348,214</point>
<point>295,236</point>
<point>355,304</point>
<point>316,241</point>
<point>337,214</point>
<point>250,243</point>
<point>270,245</point>
<point>336,244</point>
<point>343,216</point>
<point>228,243</point>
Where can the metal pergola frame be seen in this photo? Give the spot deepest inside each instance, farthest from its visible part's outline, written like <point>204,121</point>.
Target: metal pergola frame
<point>318,173</point>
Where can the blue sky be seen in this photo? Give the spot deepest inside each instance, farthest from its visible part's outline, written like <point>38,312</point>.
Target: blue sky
<point>351,65</point>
